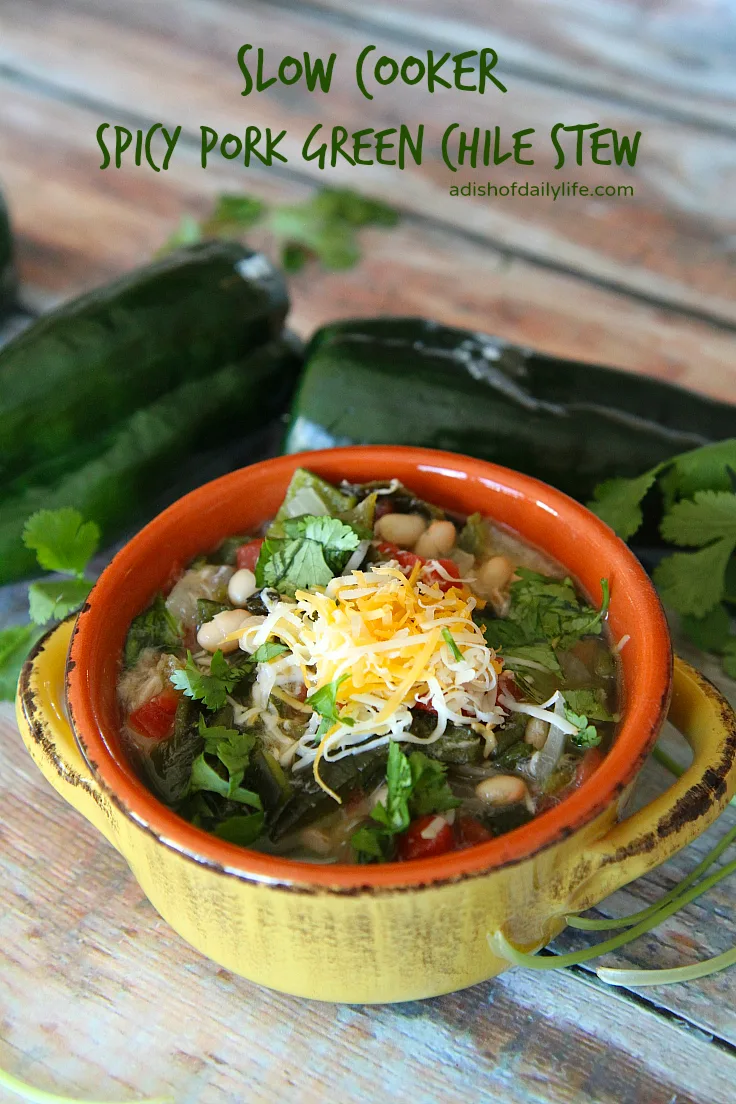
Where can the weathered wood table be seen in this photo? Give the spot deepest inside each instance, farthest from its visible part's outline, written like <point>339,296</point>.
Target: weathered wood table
<point>98,996</point>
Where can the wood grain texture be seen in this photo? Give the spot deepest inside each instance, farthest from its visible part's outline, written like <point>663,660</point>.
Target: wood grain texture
<point>100,997</point>
<point>77,227</point>
<point>176,61</point>
<point>97,995</point>
<point>674,56</point>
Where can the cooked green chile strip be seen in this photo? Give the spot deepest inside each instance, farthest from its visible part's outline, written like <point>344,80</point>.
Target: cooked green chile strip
<point>136,460</point>
<point>413,382</point>
<point>86,366</point>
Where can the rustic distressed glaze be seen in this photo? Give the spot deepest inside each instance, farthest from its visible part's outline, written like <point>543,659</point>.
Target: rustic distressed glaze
<point>389,933</point>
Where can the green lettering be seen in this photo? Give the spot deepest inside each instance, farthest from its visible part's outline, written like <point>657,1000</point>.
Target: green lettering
<point>318,72</point>
<point>460,69</point>
<point>320,154</point>
<point>519,146</point>
<point>208,143</point>
<point>244,69</point>
<point>625,147</point>
<point>488,60</point>
<point>101,143</point>
<point>596,145</point>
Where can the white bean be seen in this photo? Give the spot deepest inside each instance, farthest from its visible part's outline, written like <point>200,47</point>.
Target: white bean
<point>536,732</point>
<point>494,574</point>
<point>402,529</point>
<point>211,635</point>
<point>502,789</point>
<point>241,586</point>
<point>438,540</point>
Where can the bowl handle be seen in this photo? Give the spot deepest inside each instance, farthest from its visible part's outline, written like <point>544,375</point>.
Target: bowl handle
<point>41,714</point>
<point>675,818</point>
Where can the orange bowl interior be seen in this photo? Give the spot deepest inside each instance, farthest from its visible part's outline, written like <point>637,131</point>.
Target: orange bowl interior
<point>239,502</point>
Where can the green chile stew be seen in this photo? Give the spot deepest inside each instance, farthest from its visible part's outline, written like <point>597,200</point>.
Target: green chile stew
<point>369,678</point>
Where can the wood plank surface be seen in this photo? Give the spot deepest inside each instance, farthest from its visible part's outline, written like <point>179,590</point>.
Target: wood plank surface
<point>101,998</point>
<point>176,61</point>
<point>77,227</point>
<point>674,56</point>
<point>97,995</point>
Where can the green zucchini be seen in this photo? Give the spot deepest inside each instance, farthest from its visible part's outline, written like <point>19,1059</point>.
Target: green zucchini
<point>8,285</point>
<point>81,369</point>
<point>413,382</point>
<point>158,450</point>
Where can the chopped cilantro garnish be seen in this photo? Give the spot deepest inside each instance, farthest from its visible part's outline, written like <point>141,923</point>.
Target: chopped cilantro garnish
<point>231,748</point>
<point>268,651</point>
<point>416,786</point>
<point>312,551</point>
<point>544,610</point>
<point>324,702</point>
<point>213,687</point>
<point>154,628</point>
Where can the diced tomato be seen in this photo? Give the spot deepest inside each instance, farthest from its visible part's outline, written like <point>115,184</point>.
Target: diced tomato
<point>587,766</point>
<point>413,845</point>
<point>424,707</point>
<point>247,555</point>
<point>155,718</point>
<point>402,555</point>
<point>433,576</point>
<point>469,831</point>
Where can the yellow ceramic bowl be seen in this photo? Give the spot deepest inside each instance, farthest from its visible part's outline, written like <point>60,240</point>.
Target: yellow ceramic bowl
<point>401,931</point>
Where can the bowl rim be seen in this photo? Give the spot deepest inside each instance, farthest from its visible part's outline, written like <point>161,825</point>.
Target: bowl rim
<point>641,723</point>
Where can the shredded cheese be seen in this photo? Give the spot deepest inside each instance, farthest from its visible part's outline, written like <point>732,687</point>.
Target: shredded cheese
<point>382,629</point>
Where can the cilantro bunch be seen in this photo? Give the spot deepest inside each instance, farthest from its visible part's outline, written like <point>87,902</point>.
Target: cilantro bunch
<point>324,228</point>
<point>695,494</point>
<point>416,786</point>
<point>64,543</point>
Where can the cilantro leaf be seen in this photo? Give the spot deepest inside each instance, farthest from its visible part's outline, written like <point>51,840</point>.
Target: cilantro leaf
<point>692,582</point>
<point>324,702</point>
<point>15,644</point>
<point>243,830</point>
<point>549,610</point>
<point>702,469</point>
<point>156,627</point>
<point>416,786</point>
<point>232,749</point>
<point>708,516</point>
<point>268,651</point>
<point>313,550</point>
<point>618,502</point>
<point>213,687</point>
<point>62,540</point>
<point>587,735</point>
<point>541,653</point>
<point>205,777</point>
<point>712,632</point>
<point>588,702</point>
<point>55,599</point>
<point>431,792</point>
<point>729,658</point>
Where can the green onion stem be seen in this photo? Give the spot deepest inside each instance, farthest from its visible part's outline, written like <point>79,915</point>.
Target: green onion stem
<point>41,1096</point>
<point>500,945</point>
<point>583,924</point>
<point>667,977</point>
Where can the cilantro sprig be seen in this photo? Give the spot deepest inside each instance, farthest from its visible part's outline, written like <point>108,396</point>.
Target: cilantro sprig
<point>544,614</point>
<point>695,496</point>
<point>324,228</point>
<point>312,551</point>
<point>64,543</point>
<point>210,687</point>
<point>416,786</point>
<point>231,749</point>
